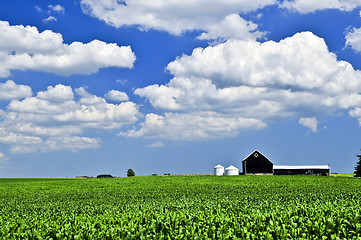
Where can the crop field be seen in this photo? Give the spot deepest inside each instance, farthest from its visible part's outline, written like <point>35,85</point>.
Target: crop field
<point>182,207</point>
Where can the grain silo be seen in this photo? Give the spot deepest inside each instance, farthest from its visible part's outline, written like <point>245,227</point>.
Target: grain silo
<point>232,171</point>
<point>218,170</point>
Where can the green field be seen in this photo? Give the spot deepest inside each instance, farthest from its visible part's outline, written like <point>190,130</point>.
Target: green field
<point>343,174</point>
<point>182,207</point>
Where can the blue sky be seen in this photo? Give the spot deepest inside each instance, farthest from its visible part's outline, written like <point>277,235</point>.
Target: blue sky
<point>90,87</point>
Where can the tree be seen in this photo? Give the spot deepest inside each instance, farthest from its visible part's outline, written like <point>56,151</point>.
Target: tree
<point>130,173</point>
<point>358,167</point>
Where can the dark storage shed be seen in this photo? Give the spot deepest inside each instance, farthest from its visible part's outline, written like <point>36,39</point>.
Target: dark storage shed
<point>320,170</point>
<point>257,163</point>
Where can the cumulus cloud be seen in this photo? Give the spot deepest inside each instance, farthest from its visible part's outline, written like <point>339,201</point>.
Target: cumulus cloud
<point>353,39</point>
<point>233,26</point>
<point>178,16</point>
<point>23,48</point>
<point>192,126</point>
<point>285,64</point>
<point>56,8</point>
<point>11,138</point>
<point>117,96</point>
<point>237,74</point>
<point>356,113</point>
<point>10,90</point>
<point>310,123</point>
<point>59,93</point>
<point>72,143</point>
<point>50,19</point>
<point>248,81</point>
<point>57,118</point>
<point>308,6</point>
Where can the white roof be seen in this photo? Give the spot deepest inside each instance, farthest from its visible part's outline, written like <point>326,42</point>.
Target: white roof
<point>302,167</point>
<point>219,166</point>
<point>231,167</point>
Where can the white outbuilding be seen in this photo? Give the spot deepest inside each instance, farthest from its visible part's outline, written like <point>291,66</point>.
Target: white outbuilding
<point>218,170</point>
<point>232,171</point>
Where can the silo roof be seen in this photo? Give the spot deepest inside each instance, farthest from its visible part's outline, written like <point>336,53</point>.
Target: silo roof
<point>218,166</point>
<point>231,167</point>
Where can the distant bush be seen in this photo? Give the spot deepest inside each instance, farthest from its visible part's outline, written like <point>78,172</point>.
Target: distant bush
<point>104,176</point>
<point>130,173</point>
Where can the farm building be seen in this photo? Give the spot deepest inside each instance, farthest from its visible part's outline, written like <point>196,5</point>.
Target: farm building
<point>257,163</point>
<point>323,170</point>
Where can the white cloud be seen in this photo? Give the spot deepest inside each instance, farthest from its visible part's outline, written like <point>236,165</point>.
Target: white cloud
<point>356,113</point>
<point>56,120</point>
<point>117,96</point>
<point>37,8</point>
<point>72,143</point>
<point>56,143</point>
<point>50,19</point>
<point>177,16</point>
<point>249,80</point>
<point>23,48</point>
<point>57,104</point>
<point>57,8</point>
<point>353,39</point>
<point>310,123</point>
<point>12,138</point>
<point>22,39</point>
<point>122,81</point>
<point>285,64</point>
<point>192,126</point>
<point>10,90</point>
<point>156,144</point>
<point>237,74</point>
<point>308,6</point>
<point>59,93</point>
<point>233,26</point>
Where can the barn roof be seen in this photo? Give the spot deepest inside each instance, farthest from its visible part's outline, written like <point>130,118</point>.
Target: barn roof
<point>259,153</point>
<point>301,167</point>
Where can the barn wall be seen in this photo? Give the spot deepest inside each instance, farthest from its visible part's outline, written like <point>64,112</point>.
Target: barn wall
<point>257,163</point>
<point>320,172</point>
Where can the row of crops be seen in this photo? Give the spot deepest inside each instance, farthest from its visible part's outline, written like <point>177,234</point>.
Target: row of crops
<point>182,207</point>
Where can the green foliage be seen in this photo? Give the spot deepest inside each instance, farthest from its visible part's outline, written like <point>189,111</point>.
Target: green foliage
<point>130,173</point>
<point>358,167</point>
<point>104,176</point>
<point>181,207</point>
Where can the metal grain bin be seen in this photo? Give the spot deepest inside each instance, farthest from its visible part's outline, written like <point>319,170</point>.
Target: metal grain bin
<point>232,171</point>
<point>218,170</point>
